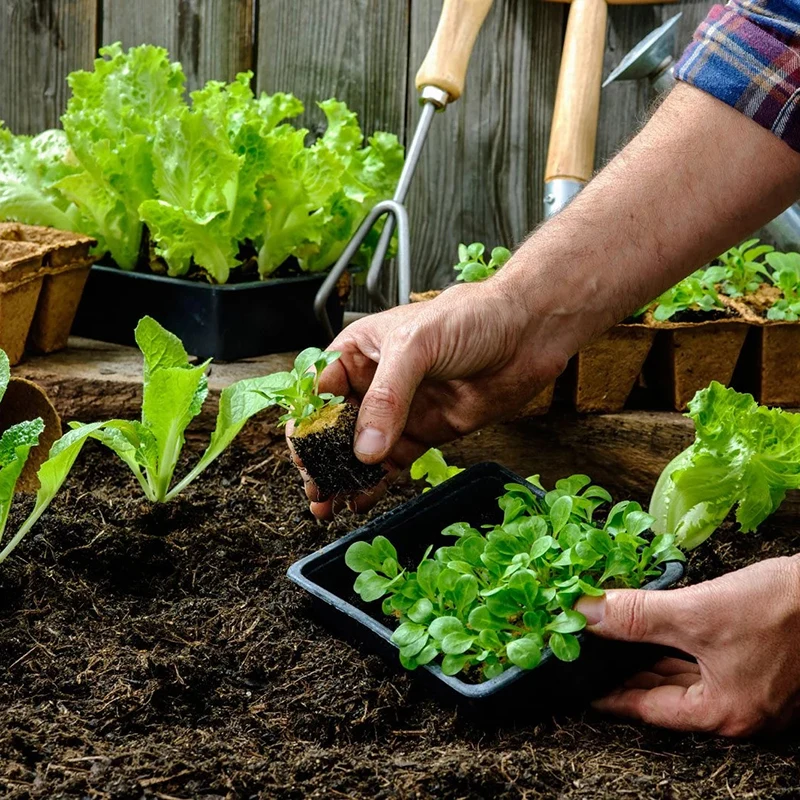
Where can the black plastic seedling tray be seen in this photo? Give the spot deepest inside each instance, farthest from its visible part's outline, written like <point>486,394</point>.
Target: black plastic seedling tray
<point>469,497</point>
<point>228,322</point>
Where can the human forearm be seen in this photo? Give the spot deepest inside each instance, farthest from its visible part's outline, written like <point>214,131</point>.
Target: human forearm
<point>699,177</point>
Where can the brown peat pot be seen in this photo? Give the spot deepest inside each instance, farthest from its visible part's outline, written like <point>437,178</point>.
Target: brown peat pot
<point>687,356</point>
<point>606,370</point>
<point>65,268</point>
<point>21,275</point>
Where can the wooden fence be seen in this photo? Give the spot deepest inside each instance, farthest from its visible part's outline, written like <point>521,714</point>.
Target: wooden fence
<point>480,177</point>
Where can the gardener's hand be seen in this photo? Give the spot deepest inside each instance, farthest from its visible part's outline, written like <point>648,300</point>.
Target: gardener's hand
<point>744,631</point>
<point>430,372</point>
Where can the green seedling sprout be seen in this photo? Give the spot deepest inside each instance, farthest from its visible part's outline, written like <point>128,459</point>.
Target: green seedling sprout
<point>786,276</point>
<point>472,265</point>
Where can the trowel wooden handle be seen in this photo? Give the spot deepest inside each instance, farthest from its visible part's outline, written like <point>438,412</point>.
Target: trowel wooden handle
<point>574,129</point>
<point>445,65</point>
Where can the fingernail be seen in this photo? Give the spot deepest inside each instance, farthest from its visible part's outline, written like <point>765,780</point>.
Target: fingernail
<point>370,442</point>
<point>593,608</point>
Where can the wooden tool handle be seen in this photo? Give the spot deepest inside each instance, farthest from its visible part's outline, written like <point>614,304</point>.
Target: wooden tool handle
<point>574,129</point>
<point>445,65</point>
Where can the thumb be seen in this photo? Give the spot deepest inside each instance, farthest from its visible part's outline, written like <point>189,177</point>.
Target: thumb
<point>384,407</point>
<point>639,615</point>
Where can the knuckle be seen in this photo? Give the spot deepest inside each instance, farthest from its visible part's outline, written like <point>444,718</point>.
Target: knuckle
<point>633,618</point>
<point>382,401</point>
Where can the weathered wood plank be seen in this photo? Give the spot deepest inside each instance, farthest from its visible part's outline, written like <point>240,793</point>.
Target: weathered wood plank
<point>480,176</point>
<point>625,106</point>
<point>624,452</point>
<point>355,50</point>
<point>40,44</point>
<point>213,39</point>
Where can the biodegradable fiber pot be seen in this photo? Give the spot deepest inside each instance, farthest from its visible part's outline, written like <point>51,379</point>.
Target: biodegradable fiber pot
<point>540,404</point>
<point>21,275</point>
<point>324,443</point>
<point>226,322</point>
<point>413,527</point>
<point>607,369</point>
<point>23,401</point>
<point>66,264</point>
<point>687,356</point>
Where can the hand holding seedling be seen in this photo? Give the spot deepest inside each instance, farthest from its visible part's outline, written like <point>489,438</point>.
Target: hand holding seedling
<point>743,629</point>
<point>428,373</point>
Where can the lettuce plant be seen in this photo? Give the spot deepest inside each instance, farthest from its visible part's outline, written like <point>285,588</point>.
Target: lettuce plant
<point>16,444</point>
<point>744,456</point>
<point>173,394</point>
<point>297,391</point>
<point>741,269</point>
<point>472,265</point>
<point>786,276</point>
<point>695,293</point>
<point>496,597</point>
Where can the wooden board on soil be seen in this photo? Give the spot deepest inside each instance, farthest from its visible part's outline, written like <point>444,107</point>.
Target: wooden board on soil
<point>160,652</point>
<point>625,451</point>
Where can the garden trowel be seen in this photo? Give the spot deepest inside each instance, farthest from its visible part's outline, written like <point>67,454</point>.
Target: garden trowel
<point>652,60</point>
<point>24,401</point>
<point>570,157</point>
<point>440,81</point>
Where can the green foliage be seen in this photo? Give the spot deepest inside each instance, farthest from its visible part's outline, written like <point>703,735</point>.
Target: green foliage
<point>786,276</point>
<point>173,394</point>
<point>741,269</point>
<point>472,265</point>
<point>433,468</point>
<point>297,391</point>
<point>744,455</point>
<point>497,597</point>
<point>695,293</point>
<point>208,178</point>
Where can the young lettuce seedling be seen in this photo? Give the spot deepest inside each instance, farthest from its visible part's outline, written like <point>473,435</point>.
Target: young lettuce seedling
<point>472,266</point>
<point>741,269</point>
<point>433,468</point>
<point>16,444</point>
<point>173,394</point>
<point>695,293</point>
<point>498,597</point>
<point>323,426</point>
<point>786,276</point>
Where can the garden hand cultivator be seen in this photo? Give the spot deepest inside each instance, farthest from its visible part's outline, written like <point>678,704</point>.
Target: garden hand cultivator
<point>440,81</point>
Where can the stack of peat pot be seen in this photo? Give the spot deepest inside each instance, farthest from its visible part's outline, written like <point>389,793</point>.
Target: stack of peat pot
<point>42,275</point>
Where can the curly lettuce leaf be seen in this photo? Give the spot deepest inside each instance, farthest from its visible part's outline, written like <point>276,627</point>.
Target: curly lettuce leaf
<point>30,167</point>
<point>744,455</point>
<point>370,175</point>
<point>110,124</point>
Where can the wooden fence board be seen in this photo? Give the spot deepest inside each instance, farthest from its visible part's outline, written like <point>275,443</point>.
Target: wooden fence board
<point>480,176</point>
<point>624,107</point>
<point>40,44</point>
<point>213,39</point>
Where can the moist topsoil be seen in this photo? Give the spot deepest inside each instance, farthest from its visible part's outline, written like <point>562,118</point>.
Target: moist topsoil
<point>160,652</point>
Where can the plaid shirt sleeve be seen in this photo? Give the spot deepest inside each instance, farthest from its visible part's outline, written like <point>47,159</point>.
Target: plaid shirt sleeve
<point>747,54</point>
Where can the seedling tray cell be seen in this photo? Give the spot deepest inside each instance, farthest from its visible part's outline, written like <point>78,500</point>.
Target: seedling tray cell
<point>469,497</point>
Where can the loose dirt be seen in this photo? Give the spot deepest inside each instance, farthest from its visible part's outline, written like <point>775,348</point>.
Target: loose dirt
<point>161,653</point>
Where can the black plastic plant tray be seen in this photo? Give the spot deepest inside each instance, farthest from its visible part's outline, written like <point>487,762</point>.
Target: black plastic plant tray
<point>227,322</point>
<point>469,497</point>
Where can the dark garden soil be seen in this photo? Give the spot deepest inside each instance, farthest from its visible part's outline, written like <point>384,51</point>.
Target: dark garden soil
<point>161,653</point>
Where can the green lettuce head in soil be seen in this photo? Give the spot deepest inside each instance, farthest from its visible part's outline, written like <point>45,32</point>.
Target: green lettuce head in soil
<point>16,444</point>
<point>472,265</point>
<point>173,394</point>
<point>744,455</point>
<point>786,276</point>
<point>497,597</point>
